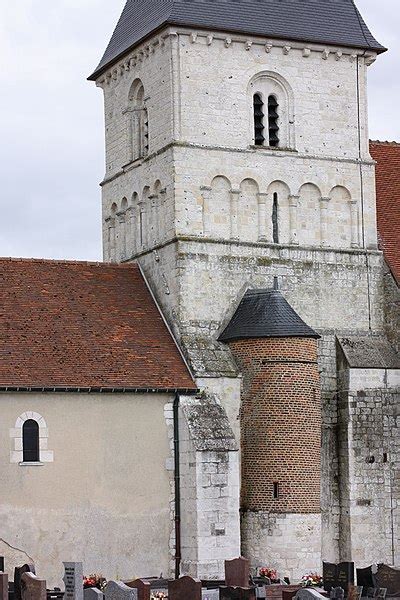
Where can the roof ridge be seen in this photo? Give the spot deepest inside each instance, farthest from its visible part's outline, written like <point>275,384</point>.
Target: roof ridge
<point>65,262</point>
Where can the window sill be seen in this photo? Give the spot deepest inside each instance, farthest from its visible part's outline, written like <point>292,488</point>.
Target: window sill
<point>273,149</point>
<point>31,464</point>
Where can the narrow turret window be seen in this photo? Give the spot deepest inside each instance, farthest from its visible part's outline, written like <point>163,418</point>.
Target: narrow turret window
<point>258,105</point>
<point>275,219</point>
<point>30,441</point>
<point>273,117</point>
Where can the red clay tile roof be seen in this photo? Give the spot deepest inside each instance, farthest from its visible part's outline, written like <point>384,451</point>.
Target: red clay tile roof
<point>387,155</point>
<point>86,325</point>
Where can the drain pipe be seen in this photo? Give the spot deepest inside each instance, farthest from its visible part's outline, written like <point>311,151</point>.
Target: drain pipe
<point>177,469</point>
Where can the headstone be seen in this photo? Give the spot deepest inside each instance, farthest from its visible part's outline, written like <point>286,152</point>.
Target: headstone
<point>92,594</point>
<point>210,594</point>
<point>184,588</point>
<point>3,586</point>
<point>73,580</point>
<point>364,577</point>
<point>33,588</point>
<point>389,578</point>
<point>341,575</point>
<point>336,593</point>
<point>116,590</point>
<point>2,564</point>
<point>237,593</point>
<point>18,572</point>
<point>262,593</point>
<point>143,588</point>
<point>308,594</point>
<point>237,572</point>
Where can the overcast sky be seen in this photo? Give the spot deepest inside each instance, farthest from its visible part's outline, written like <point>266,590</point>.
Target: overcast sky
<point>51,118</point>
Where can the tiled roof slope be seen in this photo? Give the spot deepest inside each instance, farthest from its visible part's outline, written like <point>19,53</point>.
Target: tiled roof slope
<point>265,314</point>
<point>334,22</point>
<point>387,155</point>
<point>86,325</point>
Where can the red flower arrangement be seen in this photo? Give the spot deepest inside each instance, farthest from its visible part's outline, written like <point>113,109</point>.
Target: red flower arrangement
<point>94,581</point>
<point>311,580</point>
<point>271,574</point>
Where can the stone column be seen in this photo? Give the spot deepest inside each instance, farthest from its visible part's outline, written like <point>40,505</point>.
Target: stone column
<point>121,250</point>
<point>152,219</point>
<point>163,226</point>
<point>129,115</point>
<point>206,209</point>
<point>235,195</point>
<point>324,205</point>
<point>142,226</point>
<point>264,226</point>
<point>355,240</point>
<point>130,231</point>
<point>293,205</point>
<point>110,221</point>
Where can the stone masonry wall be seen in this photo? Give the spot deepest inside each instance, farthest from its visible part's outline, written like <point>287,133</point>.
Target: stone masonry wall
<point>280,425</point>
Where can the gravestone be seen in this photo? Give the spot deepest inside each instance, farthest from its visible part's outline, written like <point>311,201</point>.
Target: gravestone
<point>3,586</point>
<point>92,594</point>
<point>143,588</point>
<point>33,588</point>
<point>18,572</point>
<point>237,572</point>
<point>308,594</point>
<point>341,575</point>
<point>389,578</point>
<point>116,590</point>
<point>210,594</point>
<point>73,580</point>
<point>336,593</point>
<point>365,577</point>
<point>2,564</point>
<point>237,593</point>
<point>184,588</point>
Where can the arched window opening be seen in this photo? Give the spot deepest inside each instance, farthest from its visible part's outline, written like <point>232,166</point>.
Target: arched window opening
<point>258,104</point>
<point>30,441</point>
<point>139,121</point>
<point>273,116</point>
<point>275,219</point>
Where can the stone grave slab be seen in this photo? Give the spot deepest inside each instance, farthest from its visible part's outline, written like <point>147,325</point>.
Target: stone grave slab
<point>237,593</point>
<point>389,578</point>
<point>308,594</point>
<point>185,588</point>
<point>237,572</point>
<point>18,572</point>
<point>143,588</point>
<point>116,590</point>
<point>365,577</point>
<point>33,588</point>
<point>73,580</point>
<point>92,594</point>
<point>207,594</point>
<point>338,575</point>
<point>3,586</point>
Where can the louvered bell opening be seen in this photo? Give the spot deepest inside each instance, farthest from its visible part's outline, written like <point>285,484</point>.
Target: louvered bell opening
<point>258,120</point>
<point>273,140</point>
<point>273,116</point>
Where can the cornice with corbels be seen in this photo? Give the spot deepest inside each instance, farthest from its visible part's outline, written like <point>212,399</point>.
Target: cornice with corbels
<point>142,53</point>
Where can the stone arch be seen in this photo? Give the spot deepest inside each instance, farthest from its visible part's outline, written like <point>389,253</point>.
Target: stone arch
<point>270,84</point>
<point>113,209</point>
<point>218,212</point>
<point>16,436</point>
<point>309,215</point>
<point>124,204</point>
<point>279,191</point>
<point>248,210</point>
<point>339,223</point>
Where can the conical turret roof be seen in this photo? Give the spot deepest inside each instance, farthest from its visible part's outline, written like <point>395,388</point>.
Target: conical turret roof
<point>265,314</point>
<point>333,22</point>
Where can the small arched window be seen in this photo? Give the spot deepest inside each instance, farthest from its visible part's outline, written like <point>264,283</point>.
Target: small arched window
<point>258,105</point>
<point>275,219</point>
<point>30,441</point>
<point>139,121</point>
<point>273,116</point>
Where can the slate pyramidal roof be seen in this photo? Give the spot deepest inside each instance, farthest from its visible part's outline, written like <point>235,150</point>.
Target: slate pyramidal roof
<point>265,314</point>
<point>333,22</point>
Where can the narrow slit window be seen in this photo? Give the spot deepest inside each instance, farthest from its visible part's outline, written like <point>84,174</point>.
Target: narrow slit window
<point>276,490</point>
<point>275,219</point>
<point>273,117</point>
<point>146,132</point>
<point>258,105</point>
<point>30,441</point>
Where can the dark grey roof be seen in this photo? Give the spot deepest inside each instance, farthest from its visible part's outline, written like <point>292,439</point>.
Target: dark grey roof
<point>369,352</point>
<point>335,22</point>
<point>265,313</point>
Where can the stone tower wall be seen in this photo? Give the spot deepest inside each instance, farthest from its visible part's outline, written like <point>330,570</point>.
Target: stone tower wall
<point>280,424</point>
